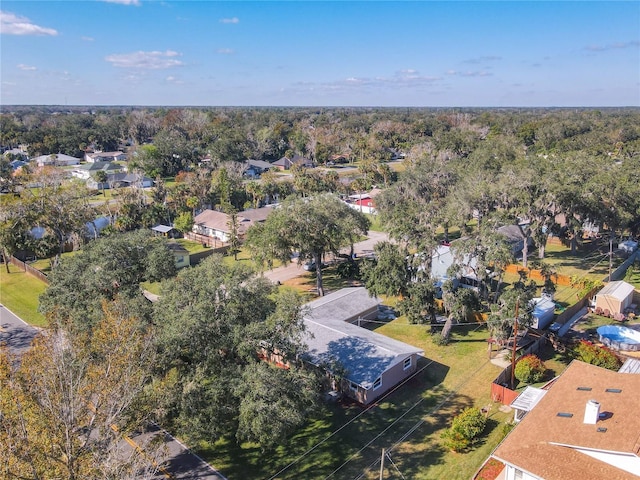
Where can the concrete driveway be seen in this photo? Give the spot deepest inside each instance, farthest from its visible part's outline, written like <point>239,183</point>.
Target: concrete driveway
<point>293,270</point>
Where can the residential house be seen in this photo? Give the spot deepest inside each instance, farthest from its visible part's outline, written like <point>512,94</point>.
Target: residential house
<point>364,202</point>
<point>368,363</point>
<point>92,157</point>
<point>56,160</point>
<point>586,426</point>
<point>180,255</point>
<point>444,257</point>
<point>615,297</point>
<point>285,163</point>
<point>255,168</point>
<point>16,154</point>
<point>120,180</point>
<point>217,225</point>
<point>86,170</point>
<point>515,237</point>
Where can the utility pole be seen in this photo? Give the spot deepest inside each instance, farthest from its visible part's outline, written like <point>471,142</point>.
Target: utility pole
<point>382,464</point>
<point>515,347</point>
<point>610,255</point>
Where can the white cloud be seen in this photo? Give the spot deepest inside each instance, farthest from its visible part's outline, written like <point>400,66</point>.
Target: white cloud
<point>230,20</point>
<point>173,80</point>
<point>225,51</point>
<point>22,66</point>
<point>87,39</point>
<point>11,24</point>
<point>145,60</point>
<point>613,46</point>
<point>484,59</point>
<point>124,2</point>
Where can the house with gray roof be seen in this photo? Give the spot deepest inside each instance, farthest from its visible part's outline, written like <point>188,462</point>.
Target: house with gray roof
<point>370,364</point>
<point>87,170</point>
<point>56,160</point>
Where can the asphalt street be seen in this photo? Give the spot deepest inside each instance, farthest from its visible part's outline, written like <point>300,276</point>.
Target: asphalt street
<point>14,332</point>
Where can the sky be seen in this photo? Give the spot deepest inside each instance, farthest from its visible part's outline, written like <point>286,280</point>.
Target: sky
<point>320,53</point>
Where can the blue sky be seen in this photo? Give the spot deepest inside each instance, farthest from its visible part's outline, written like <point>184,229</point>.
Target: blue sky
<point>313,53</point>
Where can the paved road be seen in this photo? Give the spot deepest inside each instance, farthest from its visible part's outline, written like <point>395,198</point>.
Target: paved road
<point>14,332</point>
<point>181,463</point>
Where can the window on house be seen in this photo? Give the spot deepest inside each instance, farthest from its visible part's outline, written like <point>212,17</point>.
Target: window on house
<point>353,387</point>
<point>378,383</point>
<point>407,363</point>
<point>517,474</point>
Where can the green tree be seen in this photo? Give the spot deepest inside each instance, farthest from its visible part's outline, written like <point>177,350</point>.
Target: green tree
<point>530,369</point>
<point>465,429</point>
<point>101,177</point>
<point>183,222</point>
<point>387,273</point>
<point>109,268</point>
<point>215,322</point>
<point>459,304</point>
<point>311,227</point>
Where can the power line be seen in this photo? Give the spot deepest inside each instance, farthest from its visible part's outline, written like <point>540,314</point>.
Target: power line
<point>418,424</point>
<point>351,421</point>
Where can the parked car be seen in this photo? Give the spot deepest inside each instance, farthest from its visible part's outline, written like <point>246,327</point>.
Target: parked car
<point>311,266</point>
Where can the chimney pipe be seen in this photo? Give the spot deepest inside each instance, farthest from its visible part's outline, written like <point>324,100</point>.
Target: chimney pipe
<point>591,412</point>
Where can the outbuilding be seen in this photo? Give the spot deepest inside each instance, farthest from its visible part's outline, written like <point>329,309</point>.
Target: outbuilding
<point>543,312</point>
<point>615,297</point>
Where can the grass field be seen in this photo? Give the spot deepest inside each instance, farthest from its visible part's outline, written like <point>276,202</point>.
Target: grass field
<point>19,292</point>
<point>344,440</point>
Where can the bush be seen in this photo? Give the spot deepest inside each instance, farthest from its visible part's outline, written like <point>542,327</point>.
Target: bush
<point>440,339</point>
<point>348,269</point>
<point>465,428</point>
<point>593,354</point>
<point>529,369</point>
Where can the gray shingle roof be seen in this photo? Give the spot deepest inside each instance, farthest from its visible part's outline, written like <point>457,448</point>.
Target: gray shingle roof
<point>364,354</point>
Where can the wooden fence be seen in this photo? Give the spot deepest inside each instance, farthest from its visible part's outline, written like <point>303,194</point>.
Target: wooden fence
<point>29,269</point>
<point>500,391</point>
<point>205,240</point>
<point>558,279</point>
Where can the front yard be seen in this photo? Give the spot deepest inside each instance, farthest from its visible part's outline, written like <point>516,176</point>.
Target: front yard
<point>19,292</point>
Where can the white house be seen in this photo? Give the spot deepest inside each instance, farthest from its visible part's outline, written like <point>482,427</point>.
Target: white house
<point>87,170</point>
<point>585,427</point>
<point>56,160</point>
<point>92,157</point>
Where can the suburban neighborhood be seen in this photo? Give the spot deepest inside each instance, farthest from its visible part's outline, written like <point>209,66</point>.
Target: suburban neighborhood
<point>348,318</point>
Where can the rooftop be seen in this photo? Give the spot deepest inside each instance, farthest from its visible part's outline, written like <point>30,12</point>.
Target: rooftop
<point>554,443</point>
<point>364,354</point>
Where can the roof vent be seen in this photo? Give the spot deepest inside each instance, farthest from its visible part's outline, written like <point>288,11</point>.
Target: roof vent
<point>591,412</point>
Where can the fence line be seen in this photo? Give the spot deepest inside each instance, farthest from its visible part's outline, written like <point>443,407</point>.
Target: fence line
<point>29,269</point>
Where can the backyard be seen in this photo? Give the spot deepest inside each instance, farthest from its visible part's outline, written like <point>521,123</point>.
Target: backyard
<point>344,440</point>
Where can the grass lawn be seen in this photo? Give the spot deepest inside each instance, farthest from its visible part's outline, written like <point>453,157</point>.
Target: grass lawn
<point>19,292</point>
<point>590,261</point>
<point>344,440</point>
